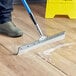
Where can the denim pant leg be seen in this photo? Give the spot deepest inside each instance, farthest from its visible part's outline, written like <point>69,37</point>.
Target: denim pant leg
<point>6,6</point>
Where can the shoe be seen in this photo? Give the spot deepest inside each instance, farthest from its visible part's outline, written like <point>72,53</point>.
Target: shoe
<point>10,29</point>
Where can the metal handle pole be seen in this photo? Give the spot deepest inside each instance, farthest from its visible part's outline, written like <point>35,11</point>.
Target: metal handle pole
<point>32,17</point>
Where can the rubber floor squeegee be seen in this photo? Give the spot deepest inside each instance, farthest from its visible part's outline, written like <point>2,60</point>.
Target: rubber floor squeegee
<point>43,39</point>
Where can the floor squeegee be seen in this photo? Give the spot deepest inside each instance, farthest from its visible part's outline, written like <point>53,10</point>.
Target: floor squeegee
<point>43,39</point>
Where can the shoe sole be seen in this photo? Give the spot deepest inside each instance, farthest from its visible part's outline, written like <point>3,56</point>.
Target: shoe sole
<point>9,34</point>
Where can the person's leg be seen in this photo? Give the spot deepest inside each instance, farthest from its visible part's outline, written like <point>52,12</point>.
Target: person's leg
<point>6,24</point>
<point>6,7</point>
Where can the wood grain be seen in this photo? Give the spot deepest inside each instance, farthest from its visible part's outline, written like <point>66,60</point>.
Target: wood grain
<point>61,62</point>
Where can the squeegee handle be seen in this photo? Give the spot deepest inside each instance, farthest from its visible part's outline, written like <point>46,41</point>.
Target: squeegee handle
<point>32,17</point>
<point>26,6</point>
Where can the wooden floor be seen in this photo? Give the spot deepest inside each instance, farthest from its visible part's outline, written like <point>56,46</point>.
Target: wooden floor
<point>61,62</point>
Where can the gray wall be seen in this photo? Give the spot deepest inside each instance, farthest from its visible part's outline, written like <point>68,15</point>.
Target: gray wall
<point>19,1</point>
<point>36,0</point>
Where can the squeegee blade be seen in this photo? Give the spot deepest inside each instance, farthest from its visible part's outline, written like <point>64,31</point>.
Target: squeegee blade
<point>27,47</point>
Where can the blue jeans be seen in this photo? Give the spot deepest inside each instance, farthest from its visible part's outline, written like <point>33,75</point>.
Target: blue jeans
<point>6,7</point>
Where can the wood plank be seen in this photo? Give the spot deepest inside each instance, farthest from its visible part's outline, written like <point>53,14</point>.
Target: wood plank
<point>61,62</point>
<point>29,65</point>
